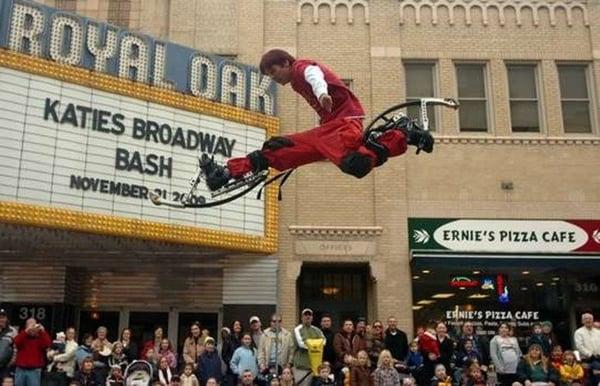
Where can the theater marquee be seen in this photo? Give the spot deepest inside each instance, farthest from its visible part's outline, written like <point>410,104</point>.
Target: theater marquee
<point>82,149</point>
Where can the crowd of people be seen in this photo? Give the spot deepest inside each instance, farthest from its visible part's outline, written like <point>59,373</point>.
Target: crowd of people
<point>358,354</point>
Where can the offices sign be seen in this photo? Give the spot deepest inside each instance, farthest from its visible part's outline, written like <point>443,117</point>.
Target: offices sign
<point>82,149</point>
<point>491,235</point>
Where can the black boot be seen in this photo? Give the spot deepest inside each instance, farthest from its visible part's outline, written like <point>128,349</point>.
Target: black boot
<point>216,175</point>
<point>416,136</point>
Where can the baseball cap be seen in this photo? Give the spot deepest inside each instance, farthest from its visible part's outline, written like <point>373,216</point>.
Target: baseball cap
<point>254,319</point>
<point>307,311</point>
<point>3,312</point>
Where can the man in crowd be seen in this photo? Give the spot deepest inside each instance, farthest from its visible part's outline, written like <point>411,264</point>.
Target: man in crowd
<point>480,343</point>
<point>256,330</point>
<point>301,363</point>
<point>587,342</point>
<point>31,345</point>
<point>396,340</point>
<point>359,341</point>
<point>276,347</point>
<point>328,351</point>
<point>7,351</point>
<point>247,378</point>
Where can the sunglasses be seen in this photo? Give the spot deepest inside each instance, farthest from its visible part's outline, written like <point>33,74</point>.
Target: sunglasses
<point>276,320</point>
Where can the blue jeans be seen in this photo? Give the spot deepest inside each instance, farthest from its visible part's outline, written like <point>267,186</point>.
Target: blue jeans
<point>28,377</point>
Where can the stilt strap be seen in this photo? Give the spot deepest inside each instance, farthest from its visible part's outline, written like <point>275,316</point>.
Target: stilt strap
<point>283,175</point>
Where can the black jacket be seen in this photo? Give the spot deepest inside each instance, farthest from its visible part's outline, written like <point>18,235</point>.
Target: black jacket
<point>397,344</point>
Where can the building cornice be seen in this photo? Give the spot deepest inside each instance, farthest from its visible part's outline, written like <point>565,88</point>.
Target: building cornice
<point>517,140</point>
<point>335,231</point>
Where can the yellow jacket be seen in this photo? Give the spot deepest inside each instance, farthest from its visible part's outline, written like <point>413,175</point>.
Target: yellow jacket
<point>571,373</point>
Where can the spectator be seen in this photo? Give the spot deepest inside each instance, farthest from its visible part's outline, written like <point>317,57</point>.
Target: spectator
<point>385,374</point>
<point>548,333</point>
<point>164,371</point>
<point>466,357</point>
<point>287,377</point>
<point>556,357</point>
<point>84,350</point>
<point>430,349</point>
<point>276,348</point>
<point>342,343</point>
<point>396,340</point>
<point>130,348</point>
<point>103,347</point>
<point>154,344</point>
<point>118,357</point>
<point>256,331</point>
<point>587,342</point>
<point>8,381</point>
<point>302,332</point>
<point>211,382</point>
<point>440,377</point>
<point>480,344</point>
<point>8,355</point>
<point>166,351</point>
<point>31,345</point>
<point>193,346</point>
<point>188,378</point>
<point>230,344</point>
<point>175,381</point>
<point>376,343</point>
<point>328,351</point>
<point>244,358</point>
<point>361,372</point>
<point>537,337</point>
<point>445,344</point>
<point>475,376</point>
<point>247,377</point>
<point>86,375</point>
<point>571,372</point>
<point>534,367</point>
<point>505,354</point>
<point>152,359</point>
<point>116,376</point>
<point>414,360</point>
<point>209,363</point>
<point>62,362</point>
<point>359,340</point>
<point>345,373</point>
<point>325,377</point>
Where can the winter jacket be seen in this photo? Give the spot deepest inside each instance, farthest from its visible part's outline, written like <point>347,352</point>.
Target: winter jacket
<point>171,358</point>
<point>397,343</point>
<point>386,376</point>
<point>414,360</point>
<point>230,344</point>
<point>209,366</point>
<point>192,349</point>
<point>66,361</point>
<point>542,340</point>
<point>285,347</point>
<point>361,376</point>
<point>571,373</point>
<point>328,351</point>
<point>83,352</point>
<point>244,359</point>
<point>301,334</point>
<point>192,380</point>
<point>87,379</point>
<point>7,352</point>
<point>536,373</point>
<point>359,342</point>
<point>505,354</point>
<point>342,345</point>
<point>31,350</point>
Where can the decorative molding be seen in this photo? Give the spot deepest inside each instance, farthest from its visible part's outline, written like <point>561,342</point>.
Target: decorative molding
<point>593,141</point>
<point>501,5</point>
<point>333,4</point>
<point>335,231</point>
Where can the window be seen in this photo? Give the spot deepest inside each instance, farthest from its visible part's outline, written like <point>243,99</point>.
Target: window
<point>472,97</point>
<point>575,98</point>
<point>523,95</point>
<point>419,84</point>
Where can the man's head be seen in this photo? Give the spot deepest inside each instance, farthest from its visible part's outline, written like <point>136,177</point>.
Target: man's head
<point>277,64</point>
<point>587,319</point>
<point>392,323</point>
<point>361,326</point>
<point>326,322</point>
<point>307,316</point>
<point>467,329</point>
<point>276,322</point>
<point>247,377</point>
<point>348,326</point>
<point>32,327</point>
<point>255,323</point>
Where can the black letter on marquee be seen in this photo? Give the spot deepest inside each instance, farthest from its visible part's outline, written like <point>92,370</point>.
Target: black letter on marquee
<point>50,110</point>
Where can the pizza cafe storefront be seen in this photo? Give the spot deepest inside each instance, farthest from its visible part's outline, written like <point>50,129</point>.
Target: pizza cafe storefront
<point>517,271</point>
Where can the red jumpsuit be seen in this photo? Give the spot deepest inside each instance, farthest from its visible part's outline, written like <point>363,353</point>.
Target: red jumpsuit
<point>340,132</point>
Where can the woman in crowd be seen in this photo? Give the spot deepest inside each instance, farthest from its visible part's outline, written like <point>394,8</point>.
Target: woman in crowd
<point>244,357</point>
<point>376,343</point>
<point>342,343</point>
<point>130,348</point>
<point>66,361</point>
<point>537,337</point>
<point>230,344</point>
<point>165,374</point>
<point>166,351</point>
<point>85,350</point>
<point>154,343</point>
<point>118,357</point>
<point>534,368</point>
<point>361,371</point>
<point>505,354</point>
<point>385,374</point>
<point>193,346</point>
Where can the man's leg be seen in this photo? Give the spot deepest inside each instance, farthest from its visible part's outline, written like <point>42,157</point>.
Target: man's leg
<point>20,377</point>
<point>302,377</point>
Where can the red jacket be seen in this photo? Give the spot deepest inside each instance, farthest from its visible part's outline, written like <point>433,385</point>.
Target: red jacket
<point>345,103</point>
<point>428,343</point>
<point>31,350</point>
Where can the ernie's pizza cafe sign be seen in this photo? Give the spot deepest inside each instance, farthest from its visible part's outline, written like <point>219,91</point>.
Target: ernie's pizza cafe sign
<point>491,235</point>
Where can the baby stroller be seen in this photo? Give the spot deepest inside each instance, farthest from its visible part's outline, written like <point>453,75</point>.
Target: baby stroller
<point>138,373</point>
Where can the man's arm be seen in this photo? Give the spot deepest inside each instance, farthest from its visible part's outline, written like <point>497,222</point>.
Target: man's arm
<point>298,337</point>
<point>315,77</point>
<point>580,345</point>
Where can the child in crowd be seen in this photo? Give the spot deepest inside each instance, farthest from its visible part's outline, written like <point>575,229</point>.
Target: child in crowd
<point>571,372</point>
<point>118,357</point>
<point>475,376</point>
<point>537,337</point>
<point>440,378</point>
<point>188,378</point>
<point>386,374</point>
<point>325,377</point>
<point>164,371</point>
<point>86,376</point>
<point>8,381</point>
<point>57,347</point>
<point>116,376</point>
<point>361,371</point>
<point>150,357</point>
<point>556,357</point>
<point>414,360</point>
<point>345,374</point>
<point>287,377</point>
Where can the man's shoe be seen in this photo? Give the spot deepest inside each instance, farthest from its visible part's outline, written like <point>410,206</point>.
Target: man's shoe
<point>420,138</point>
<point>216,175</point>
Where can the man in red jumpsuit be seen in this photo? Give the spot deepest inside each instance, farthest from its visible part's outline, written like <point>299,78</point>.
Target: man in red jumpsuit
<point>339,138</point>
